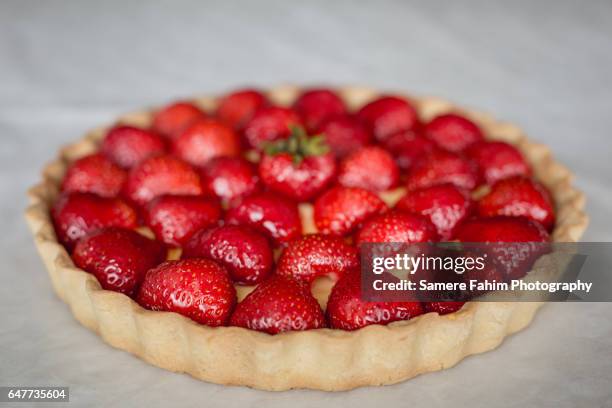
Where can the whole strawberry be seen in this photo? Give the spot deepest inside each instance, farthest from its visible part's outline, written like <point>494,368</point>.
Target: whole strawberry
<point>316,255</point>
<point>237,108</point>
<point>299,167</point>
<point>441,167</point>
<point>388,115</point>
<point>174,219</point>
<point>273,215</point>
<point>279,304</point>
<point>118,257</point>
<point>316,105</point>
<point>197,288</point>
<point>497,161</point>
<point>396,226</point>
<point>371,168</point>
<point>161,175</point>
<point>94,174</point>
<point>128,145</point>
<point>453,132</point>
<point>204,140</point>
<point>229,178</point>
<point>519,196</point>
<point>407,147</point>
<point>347,311</point>
<point>443,308</point>
<point>344,134</point>
<point>269,124</point>
<point>245,253</point>
<point>77,214</point>
<point>341,210</point>
<point>173,119</point>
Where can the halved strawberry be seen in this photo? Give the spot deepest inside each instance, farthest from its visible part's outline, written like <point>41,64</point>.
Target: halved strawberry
<point>118,257</point>
<point>316,105</point>
<point>94,174</point>
<point>344,134</point>
<point>443,308</point>
<point>396,226</point>
<point>316,255</point>
<point>388,115</point>
<point>161,175</point>
<point>245,253</point>
<point>347,311</point>
<point>498,160</point>
<point>519,196</point>
<point>197,288</point>
<point>453,132</point>
<point>128,145</point>
<point>341,210</point>
<point>279,304</point>
<point>237,108</point>
<point>268,124</point>
<point>174,219</point>
<point>77,214</point>
<point>407,147</point>
<point>441,167</point>
<point>229,178</point>
<point>371,168</point>
<point>204,140</point>
<point>173,119</point>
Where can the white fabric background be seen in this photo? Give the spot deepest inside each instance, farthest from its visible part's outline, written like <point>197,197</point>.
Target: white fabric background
<point>69,66</point>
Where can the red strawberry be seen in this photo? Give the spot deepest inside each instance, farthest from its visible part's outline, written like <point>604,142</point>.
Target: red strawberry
<point>443,308</point>
<point>205,140</point>
<point>445,205</point>
<point>317,105</point>
<point>347,311</point>
<point>78,214</point>
<point>388,115</point>
<point>344,134</point>
<point>519,196</point>
<point>395,226</point>
<point>174,219</point>
<point>371,168</point>
<point>268,124</point>
<point>172,120</point>
<point>299,167</point>
<point>94,174</point>
<point>161,175</point>
<point>197,288</point>
<point>237,108</point>
<point>245,253</point>
<point>279,304</point>
<point>407,147</point>
<point>315,255</point>
<point>128,145</point>
<point>276,217</point>
<point>498,160</point>
<point>118,258</point>
<point>340,210</point>
<point>440,167</point>
<point>230,178</point>
<point>453,132</point>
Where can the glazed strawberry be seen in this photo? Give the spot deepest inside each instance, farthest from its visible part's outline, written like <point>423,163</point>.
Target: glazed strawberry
<point>317,105</point>
<point>519,196</point>
<point>205,140</point>
<point>197,288</point>
<point>94,174</point>
<point>118,258</point>
<point>316,255</point>
<point>161,175</point>
<point>440,167</point>
<point>174,219</point>
<point>172,120</point>
<point>344,134</point>
<point>347,311</point>
<point>273,215</point>
<point>497,161</point>
<point>299,167</point>
<point>268,124</point>
<point>388,115</point>
<point>443,308</point>
<point>277,305</point>
<point>445,205</point>
<point>453,132</point>
<point>396,226</point>
<point>128,145</point>
<point>371,168</point>
<point>237,108</point>
<point>407,147</point>
<point>341,210</point>
<point>245,253</point>
<point>78,214</point>
<point>230,178</point>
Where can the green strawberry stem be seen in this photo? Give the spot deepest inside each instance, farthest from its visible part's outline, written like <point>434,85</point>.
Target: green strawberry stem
<point>299,145</point>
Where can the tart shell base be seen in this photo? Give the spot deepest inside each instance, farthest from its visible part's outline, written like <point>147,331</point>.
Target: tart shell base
<point>323,359</point>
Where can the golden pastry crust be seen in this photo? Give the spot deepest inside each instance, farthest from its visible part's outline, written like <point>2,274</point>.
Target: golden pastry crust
<point>323,359</point>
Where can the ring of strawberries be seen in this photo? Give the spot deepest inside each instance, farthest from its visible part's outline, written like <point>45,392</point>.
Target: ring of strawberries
<point>230,217</point>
